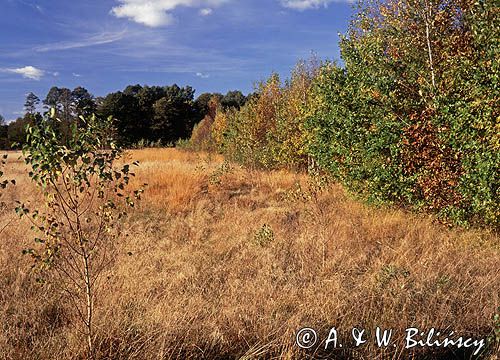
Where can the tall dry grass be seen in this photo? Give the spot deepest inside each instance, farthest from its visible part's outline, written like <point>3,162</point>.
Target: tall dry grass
<point>222,262</point>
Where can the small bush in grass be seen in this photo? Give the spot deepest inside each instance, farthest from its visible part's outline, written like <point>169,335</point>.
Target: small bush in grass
<point>85,196</point>
<point>264,235</point>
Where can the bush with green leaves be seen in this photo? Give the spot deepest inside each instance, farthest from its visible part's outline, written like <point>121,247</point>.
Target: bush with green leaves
<point>85,193</point>
<point>268,131</point>
<point>412,118</point>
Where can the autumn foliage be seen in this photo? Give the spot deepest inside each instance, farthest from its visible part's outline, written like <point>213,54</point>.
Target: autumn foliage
<point>410,118</point>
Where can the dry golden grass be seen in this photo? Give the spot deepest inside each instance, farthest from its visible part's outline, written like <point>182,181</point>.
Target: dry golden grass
<point>197,277</point>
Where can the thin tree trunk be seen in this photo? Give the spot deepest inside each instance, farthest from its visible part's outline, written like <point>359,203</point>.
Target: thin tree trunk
<point>88,286</point>
<point>90,306</point>
<point>428,38</point>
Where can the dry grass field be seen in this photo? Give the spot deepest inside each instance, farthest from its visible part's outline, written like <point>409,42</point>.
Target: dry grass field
<point>223,262</point>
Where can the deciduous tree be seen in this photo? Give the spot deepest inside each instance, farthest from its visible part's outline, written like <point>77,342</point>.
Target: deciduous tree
<point>76,233</point>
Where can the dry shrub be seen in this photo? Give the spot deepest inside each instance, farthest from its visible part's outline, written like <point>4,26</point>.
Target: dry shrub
<point>437,166</point>
<point>202,138</point>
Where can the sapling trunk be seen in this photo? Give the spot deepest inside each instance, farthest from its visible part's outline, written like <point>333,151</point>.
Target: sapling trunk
<point>428,15</point>
<point>90,305</point>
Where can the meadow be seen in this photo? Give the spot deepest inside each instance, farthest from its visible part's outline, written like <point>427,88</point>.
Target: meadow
<point>221,261</point>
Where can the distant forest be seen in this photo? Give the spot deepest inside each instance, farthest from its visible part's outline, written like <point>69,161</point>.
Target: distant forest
<point>143,114</point>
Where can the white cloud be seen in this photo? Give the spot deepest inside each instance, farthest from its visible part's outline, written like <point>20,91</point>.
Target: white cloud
<point>147,14</point>
<point>28,72</point>
<point>99,39</point>
<point>156,13</point>
<point>206,12</point>
<point>202,75</point>
<point>76,75</point>
<point>307,4</point>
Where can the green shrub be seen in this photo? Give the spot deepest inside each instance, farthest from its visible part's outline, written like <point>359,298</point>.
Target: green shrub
<point>413,119</point>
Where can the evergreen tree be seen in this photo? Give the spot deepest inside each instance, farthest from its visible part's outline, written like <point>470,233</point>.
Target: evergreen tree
<point>31,103</point>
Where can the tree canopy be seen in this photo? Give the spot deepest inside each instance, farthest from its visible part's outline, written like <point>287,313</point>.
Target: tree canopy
<point>141,113</point>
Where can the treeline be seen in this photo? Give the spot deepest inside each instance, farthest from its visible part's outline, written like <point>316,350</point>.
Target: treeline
<point>142,114</point>
<point>411,118</point>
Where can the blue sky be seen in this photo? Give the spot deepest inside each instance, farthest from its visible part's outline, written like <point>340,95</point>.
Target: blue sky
<point>105,45</point>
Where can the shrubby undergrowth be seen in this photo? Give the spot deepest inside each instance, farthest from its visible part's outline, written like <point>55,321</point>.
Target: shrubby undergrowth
<point>410,118</point>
